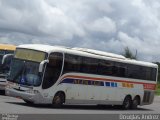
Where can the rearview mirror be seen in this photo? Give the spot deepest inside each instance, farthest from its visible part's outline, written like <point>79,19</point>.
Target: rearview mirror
<point>6,57</point>
<point>41,65</point>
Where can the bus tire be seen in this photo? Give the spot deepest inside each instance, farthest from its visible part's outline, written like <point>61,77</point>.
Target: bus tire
<point>28,102</point>
<point>127,103</point>
<point>58,100</point>
<point>135,103</point>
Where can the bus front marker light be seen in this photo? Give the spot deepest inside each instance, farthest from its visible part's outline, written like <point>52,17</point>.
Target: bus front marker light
<point>8,86</point>
<point>35,91</point>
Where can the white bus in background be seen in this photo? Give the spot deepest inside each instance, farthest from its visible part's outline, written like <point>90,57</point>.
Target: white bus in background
<point>43,74</point>
<point>6,55</point>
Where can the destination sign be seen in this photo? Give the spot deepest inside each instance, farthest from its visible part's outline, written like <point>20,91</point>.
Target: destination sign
<point>28,54</point>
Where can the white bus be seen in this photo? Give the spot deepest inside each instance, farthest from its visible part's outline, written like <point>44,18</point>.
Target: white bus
<point>43,74</point>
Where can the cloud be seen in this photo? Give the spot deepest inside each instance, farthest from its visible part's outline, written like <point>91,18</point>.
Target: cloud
<point>103,25</point>
<point>107,25</point>
<point>37,18</point>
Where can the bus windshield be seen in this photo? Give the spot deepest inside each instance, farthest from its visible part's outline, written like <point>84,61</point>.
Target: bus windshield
<point>25,67</point>
<point>24,72</point>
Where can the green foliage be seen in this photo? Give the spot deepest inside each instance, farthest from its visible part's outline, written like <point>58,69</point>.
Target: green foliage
<point>129,54</point>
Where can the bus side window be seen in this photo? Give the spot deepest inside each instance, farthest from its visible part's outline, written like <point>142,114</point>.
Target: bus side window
<point>105,67</point>
<point>89,65</point>
<point>72,63</point>
<point>53,70</point>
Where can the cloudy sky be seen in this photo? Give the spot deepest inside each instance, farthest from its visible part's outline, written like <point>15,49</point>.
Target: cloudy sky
<point>107,25</point>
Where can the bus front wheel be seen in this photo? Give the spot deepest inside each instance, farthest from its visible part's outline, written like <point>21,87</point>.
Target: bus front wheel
<point>58,100</point>
<point>28,102</point>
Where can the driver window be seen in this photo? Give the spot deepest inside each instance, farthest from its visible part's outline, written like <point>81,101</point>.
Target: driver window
<point>53,70</point>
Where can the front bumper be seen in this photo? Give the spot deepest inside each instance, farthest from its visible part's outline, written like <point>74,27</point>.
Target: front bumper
<point>19,94</point>
<point>35,98</point>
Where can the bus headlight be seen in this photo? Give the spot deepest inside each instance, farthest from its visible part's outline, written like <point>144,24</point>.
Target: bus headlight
<point>9,86</point>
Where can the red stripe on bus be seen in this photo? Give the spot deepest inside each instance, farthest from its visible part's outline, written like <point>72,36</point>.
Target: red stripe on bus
<point>148,86</point>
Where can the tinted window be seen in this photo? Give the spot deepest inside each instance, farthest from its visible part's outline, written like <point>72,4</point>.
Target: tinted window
<point>75,63</point>
<point>3,52</point>
<point>153,74</point>
<point>141,72</point>
<point>105,67</point>
<point>89,65</point>
<point>6,64</point>
<point>133,71</point>
<point>53,70</point>
<point>72,63</point>
<point>111,68</point>
<point>120,69</point>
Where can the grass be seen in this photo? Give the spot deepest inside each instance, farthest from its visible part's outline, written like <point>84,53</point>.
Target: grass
<point>158,89</point>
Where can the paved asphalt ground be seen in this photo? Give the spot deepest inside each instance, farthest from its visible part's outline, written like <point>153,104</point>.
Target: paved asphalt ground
<point>10,105</point>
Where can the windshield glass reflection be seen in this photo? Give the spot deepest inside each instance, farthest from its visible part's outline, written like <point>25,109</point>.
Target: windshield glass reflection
<point>25,72</point>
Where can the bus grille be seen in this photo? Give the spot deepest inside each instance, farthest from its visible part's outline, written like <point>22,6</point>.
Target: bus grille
<point>146,97</point>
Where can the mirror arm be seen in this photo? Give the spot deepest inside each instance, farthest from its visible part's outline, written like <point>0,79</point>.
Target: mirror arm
<point>41,65</point>
<point>5,56</point>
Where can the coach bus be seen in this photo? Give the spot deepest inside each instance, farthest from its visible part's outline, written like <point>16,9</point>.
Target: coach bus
<point>43,74</point>
<point>6,54</point>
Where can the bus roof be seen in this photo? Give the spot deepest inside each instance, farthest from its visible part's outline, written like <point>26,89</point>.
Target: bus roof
<point>86,52</point>
<point>7,47</point>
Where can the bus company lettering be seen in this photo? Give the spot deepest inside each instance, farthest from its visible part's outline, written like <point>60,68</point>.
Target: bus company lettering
<point>86,82</point>
<point>149,86</point>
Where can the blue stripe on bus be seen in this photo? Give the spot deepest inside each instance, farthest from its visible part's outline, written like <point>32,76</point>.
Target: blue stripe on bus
<point>115,85</point>
<point>108,84</point>
<point>89,82</point>
<point>111,84</point>
<point>82,82</point>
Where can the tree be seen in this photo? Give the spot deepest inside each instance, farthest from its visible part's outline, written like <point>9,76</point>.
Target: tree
<point>129,54</point>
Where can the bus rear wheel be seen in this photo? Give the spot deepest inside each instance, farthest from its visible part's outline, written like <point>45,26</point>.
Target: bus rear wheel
<point>58,100</point>
<point>127,103</point>
<point>135,103</point>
